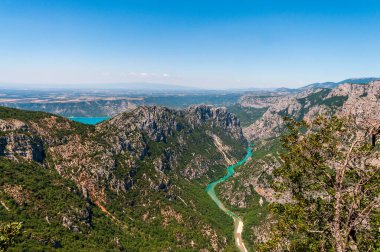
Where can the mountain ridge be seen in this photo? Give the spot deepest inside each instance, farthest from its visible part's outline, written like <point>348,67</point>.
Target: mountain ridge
<point>365,80</point>
<point>139,169</point>
<point>345,99</point>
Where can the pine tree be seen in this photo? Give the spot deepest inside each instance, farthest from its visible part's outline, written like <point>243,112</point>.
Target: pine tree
<point>8,233</point>
<point>333,173</point>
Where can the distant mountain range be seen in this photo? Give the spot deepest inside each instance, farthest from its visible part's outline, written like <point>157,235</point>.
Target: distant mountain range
<point>329,84</point>
<point>335,84</point>
<point>143,87</point>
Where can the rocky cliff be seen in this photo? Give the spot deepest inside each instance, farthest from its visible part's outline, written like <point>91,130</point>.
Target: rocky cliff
<point>356,100</point>
<point>359,101</point>
<point>136,168</point>
<point>249,191</point>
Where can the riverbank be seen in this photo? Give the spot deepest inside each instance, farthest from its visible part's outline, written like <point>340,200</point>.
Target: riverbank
<point>238,223</point>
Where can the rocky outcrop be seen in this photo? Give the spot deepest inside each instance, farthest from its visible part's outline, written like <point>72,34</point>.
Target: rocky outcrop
<point>361,102</point>
<point>16,140</point>
<point>357,100</point>
<point>74,219</point>
<point>13,125</point>
<point>158,123</point>
<point>271,124</point>
<point>257,101</point>
<point>143,159</point>
<point>17,193</point>
<point>106,157</point>
<point>253,178</point>
<point>215,117</point>
<point>133,131</point>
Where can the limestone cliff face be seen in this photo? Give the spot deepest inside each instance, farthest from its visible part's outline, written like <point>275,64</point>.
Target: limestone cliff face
<point>109,156</point>
<point>216,118</point>
<point>16,140</point>
<point>272,124</point>
<point>138,161</point>
<point>259,101</point>
<point>158,123</point>
<point>357,100</point>
<point>264,99</point>
<point>133,131</point>
<point>363,102</point>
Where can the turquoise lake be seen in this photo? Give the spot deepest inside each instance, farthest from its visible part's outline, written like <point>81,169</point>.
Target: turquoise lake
<point>89,120</point>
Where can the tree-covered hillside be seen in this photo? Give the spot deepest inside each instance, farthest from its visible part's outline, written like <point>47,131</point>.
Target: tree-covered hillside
<point>135,182</point>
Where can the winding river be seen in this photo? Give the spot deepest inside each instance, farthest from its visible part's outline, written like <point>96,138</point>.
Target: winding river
<point>238,223</point>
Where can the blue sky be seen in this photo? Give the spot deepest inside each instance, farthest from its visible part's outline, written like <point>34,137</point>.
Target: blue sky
<point>215,44</point>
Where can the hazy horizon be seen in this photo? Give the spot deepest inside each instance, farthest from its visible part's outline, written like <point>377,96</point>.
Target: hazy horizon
<point>201,44</point>
<point>151,85</point>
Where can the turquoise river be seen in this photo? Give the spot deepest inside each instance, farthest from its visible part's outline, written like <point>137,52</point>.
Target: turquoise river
<point>210,189</point>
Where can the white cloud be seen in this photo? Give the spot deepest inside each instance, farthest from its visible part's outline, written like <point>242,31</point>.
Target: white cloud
<point>147,75</point>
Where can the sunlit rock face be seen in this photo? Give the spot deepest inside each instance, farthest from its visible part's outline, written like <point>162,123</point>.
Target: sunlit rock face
<point>360,101</point>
